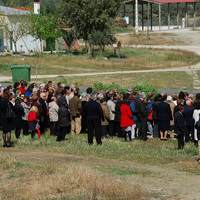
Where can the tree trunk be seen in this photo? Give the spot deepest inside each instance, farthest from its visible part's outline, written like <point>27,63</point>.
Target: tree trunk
<point>15,44</point>
<point>51,46</point>
<point>90,50</point>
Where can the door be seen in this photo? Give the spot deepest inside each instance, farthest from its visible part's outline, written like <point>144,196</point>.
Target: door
<point>1,40</point>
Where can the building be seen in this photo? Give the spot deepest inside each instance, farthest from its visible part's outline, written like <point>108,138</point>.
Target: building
<point>13,35</point>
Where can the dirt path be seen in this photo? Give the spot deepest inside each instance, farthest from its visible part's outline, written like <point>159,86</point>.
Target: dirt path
<point>163,182</point>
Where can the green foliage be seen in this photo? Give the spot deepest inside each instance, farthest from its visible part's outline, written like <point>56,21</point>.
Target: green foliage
<point>146,88</point>
<point>120,22</point>
<point>113,86</point>
<point>88,16</point>
<point>45,25</point>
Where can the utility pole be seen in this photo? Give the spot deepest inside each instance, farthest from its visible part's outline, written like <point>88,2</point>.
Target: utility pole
<point>148,22</point>
<point>136,16</point>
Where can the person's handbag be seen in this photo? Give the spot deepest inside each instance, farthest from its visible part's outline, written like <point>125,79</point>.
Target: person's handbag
<point>150,117</point>
<point>10,113</point>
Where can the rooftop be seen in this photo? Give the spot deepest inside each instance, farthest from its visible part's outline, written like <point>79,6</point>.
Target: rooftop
<point>12,11</point>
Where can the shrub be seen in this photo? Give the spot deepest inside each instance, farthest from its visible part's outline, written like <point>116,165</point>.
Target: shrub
<point>146,88</point>
<point>120,22</point>
<point>113,86</point>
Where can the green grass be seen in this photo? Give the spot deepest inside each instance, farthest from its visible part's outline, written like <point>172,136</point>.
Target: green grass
<point>123,171</point>
<point>128,29</point>
<point>154,152</point>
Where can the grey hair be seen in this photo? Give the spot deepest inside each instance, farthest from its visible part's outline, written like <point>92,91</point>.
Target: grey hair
<point>93,95</point>
<point>142,95</point>
<point>188,102</point>
<point>130,90</point>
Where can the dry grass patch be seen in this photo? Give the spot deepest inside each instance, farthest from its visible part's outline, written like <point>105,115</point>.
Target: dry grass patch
<point>155,39</point>
<point>158,79</point>
<point>62,181</point>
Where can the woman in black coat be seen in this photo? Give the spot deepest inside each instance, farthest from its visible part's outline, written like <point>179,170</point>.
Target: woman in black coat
<point>63,121</point>
<point>164,115</point>
<point>7,123</point>
<point>19,112</point>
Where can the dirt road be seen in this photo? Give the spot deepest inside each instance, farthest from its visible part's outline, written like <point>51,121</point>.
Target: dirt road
<point>164,182</point>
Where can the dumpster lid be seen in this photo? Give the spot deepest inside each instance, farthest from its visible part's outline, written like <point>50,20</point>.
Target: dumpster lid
<point>20,67</point>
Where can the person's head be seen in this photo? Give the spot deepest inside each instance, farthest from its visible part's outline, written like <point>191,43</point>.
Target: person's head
<point>89,90</point>
<point>16,85</point>
<point>43,96</point>
<point>125,101</point>
<point>21,96</point>
<point>119,97</point>
<point>6,95</point>
<point>198,96</point>
<point>63,86</point>
<point>175,96</point>
<point>164,97</point>
<point>26,99</point>
<point>130,90</point>
<point>34,109</point>
<point>35,97</point>
<point>30,88</point>
<point>23,84</point>
<point>18,103</point>
<point>142,95</point>
<point>59,84</point>
<point>191,96</point>
<point>1,91</point>
<point>186,95</point>
<point>181,108</point>
<point>180,102</point>
<point>169,98</point>
<point>150,94</point>
<point>9,88</point>
<point>181,95</point>
<point>188,102</point>
<point>12,98</point>
<point>131,97</point>
<point>42,89</point>
<point>63,92</point>
<point>93,96</point>
<point>115,91</point>
<point>103,101</point>
<point>149,99</point>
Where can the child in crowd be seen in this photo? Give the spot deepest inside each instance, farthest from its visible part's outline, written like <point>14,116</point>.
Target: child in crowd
<point>32,120</point>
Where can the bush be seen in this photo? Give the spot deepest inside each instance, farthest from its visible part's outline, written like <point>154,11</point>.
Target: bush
<point>113,86</point>
<point>146,88</point>
<point>120,22</point>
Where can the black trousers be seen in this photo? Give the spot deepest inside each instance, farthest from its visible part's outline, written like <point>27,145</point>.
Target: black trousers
<point>118,129</point>
<point>53,128</point>
<point>189,129</point>
<point>142,132</point>
<point>156,133</point>
<point>94,127</point>
<point>62,133</point>
<point>112,125</point>
<point>17,132</point>
<point>104,130</point>
<point>25,127</point>
<point>181,140</point>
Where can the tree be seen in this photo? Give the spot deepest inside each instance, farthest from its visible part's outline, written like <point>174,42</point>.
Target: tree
<point>101,39</point>
<point>88,16</point>
<point>45,26</point>
<point>15,26</point>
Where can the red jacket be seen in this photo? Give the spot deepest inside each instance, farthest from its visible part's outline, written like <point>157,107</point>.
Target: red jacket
<point>126,116</point>
<point>22,90</point>
<point>32,117</point>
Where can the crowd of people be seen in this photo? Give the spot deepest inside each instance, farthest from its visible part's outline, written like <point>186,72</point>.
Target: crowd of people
<point>63,110</point>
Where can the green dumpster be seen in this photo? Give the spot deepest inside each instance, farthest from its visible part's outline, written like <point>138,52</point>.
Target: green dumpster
<point>21,72</point>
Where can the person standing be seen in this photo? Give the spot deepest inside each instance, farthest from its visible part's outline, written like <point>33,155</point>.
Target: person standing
<point>164,116</point>
<point>94,115</point>
<point>196,118</point>
<point>126,119</point>
<point>179,126</point>
<point>188,115</point>
<point>7,123</point>
<point>142,116</point>
<point>75,107</point>
<point>53,116</point>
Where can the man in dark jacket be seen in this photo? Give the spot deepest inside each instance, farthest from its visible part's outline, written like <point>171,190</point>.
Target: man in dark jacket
<point>188,115</point>
<point>62,98</point>
<point>142,116</point>
<point>179,126</point>
<point>94,114</point>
